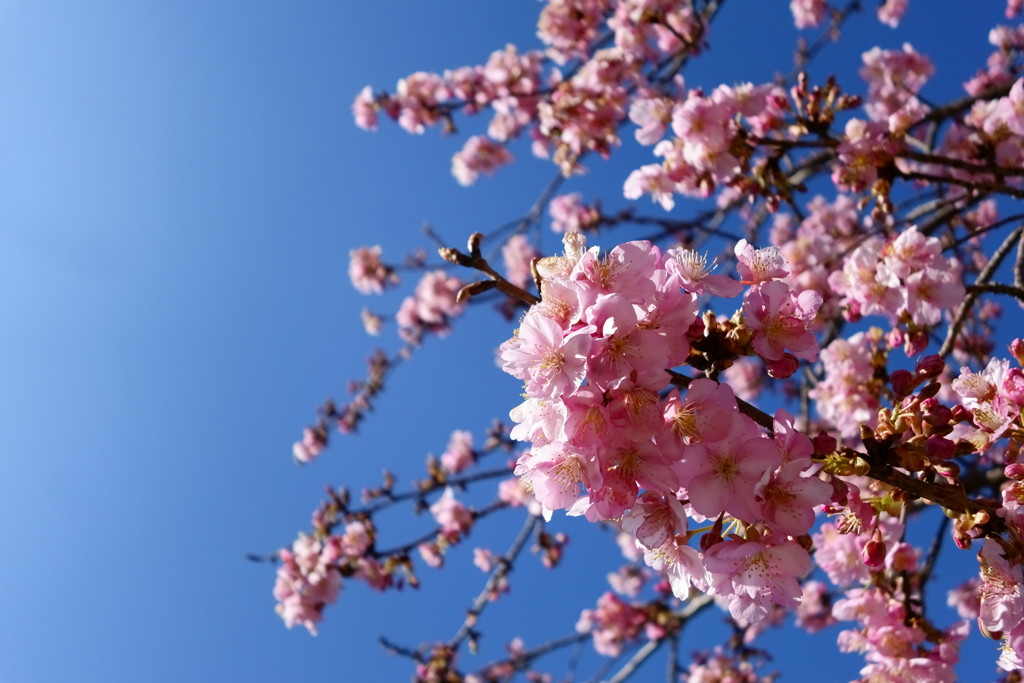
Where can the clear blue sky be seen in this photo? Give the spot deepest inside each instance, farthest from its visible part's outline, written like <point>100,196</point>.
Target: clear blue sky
<point>180,184</point>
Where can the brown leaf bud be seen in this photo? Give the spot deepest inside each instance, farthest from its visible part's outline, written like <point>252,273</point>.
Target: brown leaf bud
<point>474,288</point>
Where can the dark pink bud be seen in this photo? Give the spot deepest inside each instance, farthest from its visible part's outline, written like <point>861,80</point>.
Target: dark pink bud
<point>873,553</point>
<point>1014,471</point>
<point>852,312</point>
<point>823,444</point>
<point>916,343</point>
<point>903,382</point>
<point>782,368</point>
<point>940,448</point>
<point>934,413</point>
<point>930,366</point>
<point>961,414</point>
<point>1017,350</point>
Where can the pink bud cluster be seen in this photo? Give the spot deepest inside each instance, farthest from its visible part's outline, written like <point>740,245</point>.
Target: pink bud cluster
<point>607,444</point>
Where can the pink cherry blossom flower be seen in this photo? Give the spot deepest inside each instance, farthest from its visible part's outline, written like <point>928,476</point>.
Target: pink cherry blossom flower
<point>755,575</point>
<point>555,473</point>
<point>703,415</point>
<point>808,13</point>
<point>612,624</point>
<point>780,320</point>
<point>626,465</point>
<point>759,265</point>
<point>722,475</point>
<point>517,254</point>
<point>459,454</point>
<point>788,498</point>
<point>367,272</point>
<point>570,214</point>
<point>550,363</point>
<point>654,519</point>
<point>454,518</point>
<point>838,554</point>
<point>695,274</point>
<point>681,564</point>
<point>364,109</point>
<point>479,155</point>
<point>890,12</point>
<point>1002,602</point>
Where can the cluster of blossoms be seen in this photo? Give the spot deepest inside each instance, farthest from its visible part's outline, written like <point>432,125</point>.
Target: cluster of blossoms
<point>814,247</point>
<point>431,307</point>
<point>894,78</point>
<point>858,554</point>
<point>608,443</point>
<point>848,395</point>
<point>709,148</point>
<point>309,575</point>
<point>570,214</point>
<point>907,279</point>
<point>367,272</point>
<point>993,400</point>
<point>612,624</point>
<point>709,493</point>
<point>567,114</point>
<point>1003,66</point>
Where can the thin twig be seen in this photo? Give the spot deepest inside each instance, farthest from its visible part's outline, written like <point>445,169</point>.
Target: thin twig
<point>968,302</point>
<point>500,571</point>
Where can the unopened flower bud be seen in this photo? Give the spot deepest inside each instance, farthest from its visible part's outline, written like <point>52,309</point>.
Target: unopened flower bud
<point>930,366</point>
<point>929,390</point>
<point>1017,350</point>
<point>873,553</point>
<point>782,368</point>
<point>894,338</point>
<point>948,469</point>
<point>823,444</point>
<point>934,413</point>
<point>916,343</point>
<point>940,448</point>
<point>1013,386</point>
<point>903,382</point>
<point>1014,471</point>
